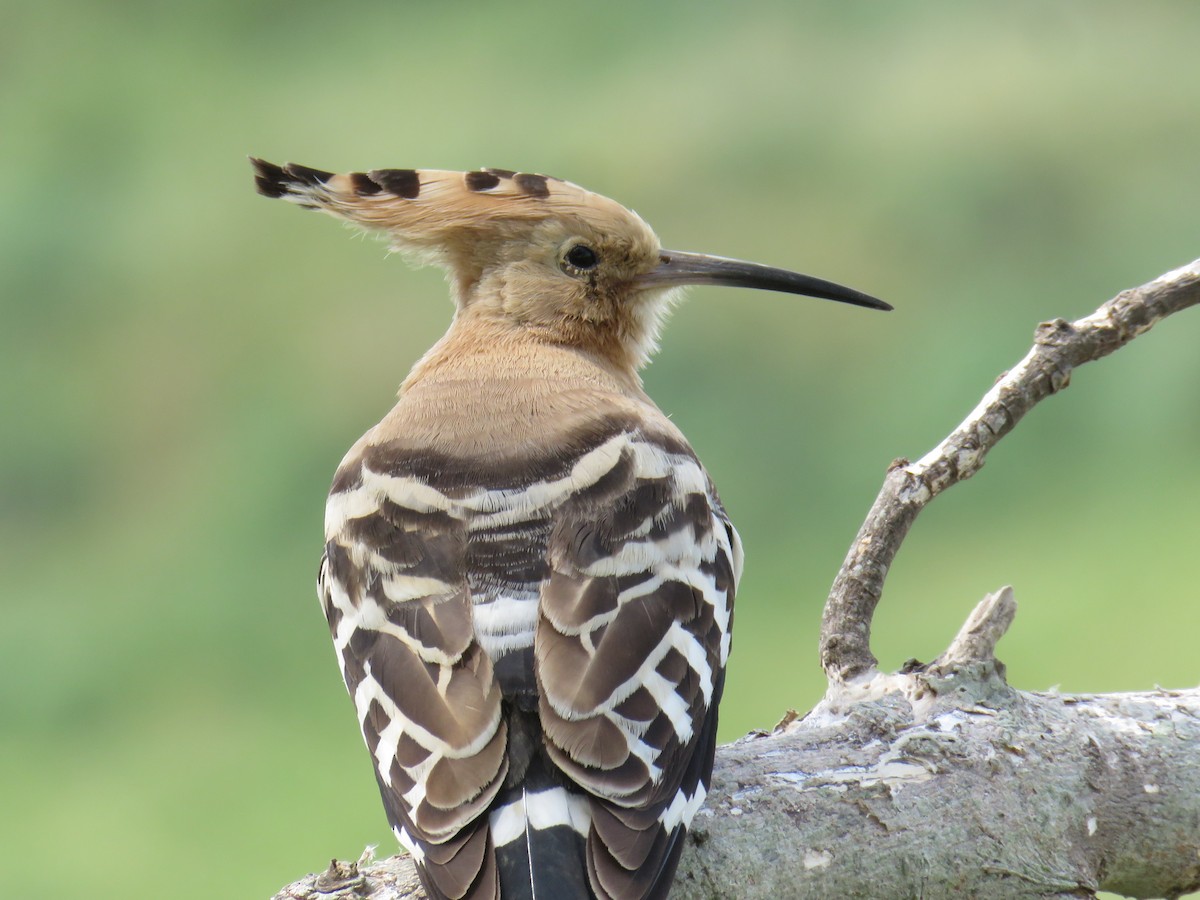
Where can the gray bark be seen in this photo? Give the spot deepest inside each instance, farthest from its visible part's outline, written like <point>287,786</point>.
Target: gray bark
<point>941,780</point>
<point>945,782</point>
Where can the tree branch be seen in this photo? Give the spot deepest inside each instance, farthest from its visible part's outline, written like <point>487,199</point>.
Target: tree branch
<point>941,780</point>
<point>951,784</point>
<point>1059,347</point>
<point>976,640</point>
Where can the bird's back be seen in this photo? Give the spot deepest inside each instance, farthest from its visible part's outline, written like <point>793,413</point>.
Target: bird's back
<point>529,579</point>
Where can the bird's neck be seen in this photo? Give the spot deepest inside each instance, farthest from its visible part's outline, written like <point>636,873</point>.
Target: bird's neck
<point>498,393</point>
<point>478,349</point>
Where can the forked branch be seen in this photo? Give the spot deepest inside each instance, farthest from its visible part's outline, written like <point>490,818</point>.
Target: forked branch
<point>1058,348</point>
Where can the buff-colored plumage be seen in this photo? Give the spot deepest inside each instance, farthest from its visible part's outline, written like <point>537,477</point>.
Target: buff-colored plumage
<point>528,576</point>
<point>481,226</point>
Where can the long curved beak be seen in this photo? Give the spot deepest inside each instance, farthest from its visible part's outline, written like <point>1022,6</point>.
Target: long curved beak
<point>678,268</point>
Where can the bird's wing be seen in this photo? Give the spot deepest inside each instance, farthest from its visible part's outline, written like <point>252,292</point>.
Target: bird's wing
<point>631,644</point>
<point>394,589</point>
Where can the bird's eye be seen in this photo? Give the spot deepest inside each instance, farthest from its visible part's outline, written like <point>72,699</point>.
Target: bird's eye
<point>582,257</point>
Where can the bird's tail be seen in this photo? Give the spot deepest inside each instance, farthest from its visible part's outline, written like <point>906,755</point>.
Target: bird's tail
<point>539,830</point>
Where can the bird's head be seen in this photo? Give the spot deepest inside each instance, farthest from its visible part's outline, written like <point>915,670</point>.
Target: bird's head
<point>535,252</point>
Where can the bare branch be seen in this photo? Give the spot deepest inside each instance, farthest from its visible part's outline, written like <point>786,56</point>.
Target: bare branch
<point>976,640</point>
<point>1059,346</point>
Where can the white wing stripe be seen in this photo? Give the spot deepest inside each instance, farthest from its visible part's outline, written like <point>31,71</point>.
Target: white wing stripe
<point>674,706</point>
<point>505,624</point>
<point>683,808</point>
<point>506,615</point>
<point>399,588</point>
<point>369,690</point>
<point>406,841</point>
<point>497,508</point>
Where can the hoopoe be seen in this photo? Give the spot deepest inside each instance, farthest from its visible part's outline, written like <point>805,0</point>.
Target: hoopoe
<point>528,575</point>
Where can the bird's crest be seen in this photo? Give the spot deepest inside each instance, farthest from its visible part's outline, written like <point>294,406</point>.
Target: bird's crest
<point>434,210</point>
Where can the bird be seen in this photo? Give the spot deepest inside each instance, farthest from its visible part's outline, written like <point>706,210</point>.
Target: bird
<point>527,573</point>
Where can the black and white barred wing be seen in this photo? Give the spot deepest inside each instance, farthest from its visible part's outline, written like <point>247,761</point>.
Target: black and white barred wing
<point>631,645</point>
<point>394,588</point>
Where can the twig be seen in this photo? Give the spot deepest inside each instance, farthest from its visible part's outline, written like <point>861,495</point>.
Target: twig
<point>1059,346</point>
<point>976,640</point>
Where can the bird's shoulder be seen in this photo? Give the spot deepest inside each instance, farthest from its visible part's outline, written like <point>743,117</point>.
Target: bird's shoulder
<point>462,430</point>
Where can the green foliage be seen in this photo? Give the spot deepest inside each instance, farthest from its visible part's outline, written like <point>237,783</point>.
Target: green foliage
<point>184,362</point>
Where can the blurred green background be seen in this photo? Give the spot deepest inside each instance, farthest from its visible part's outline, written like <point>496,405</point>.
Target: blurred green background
<point>184,362</point>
